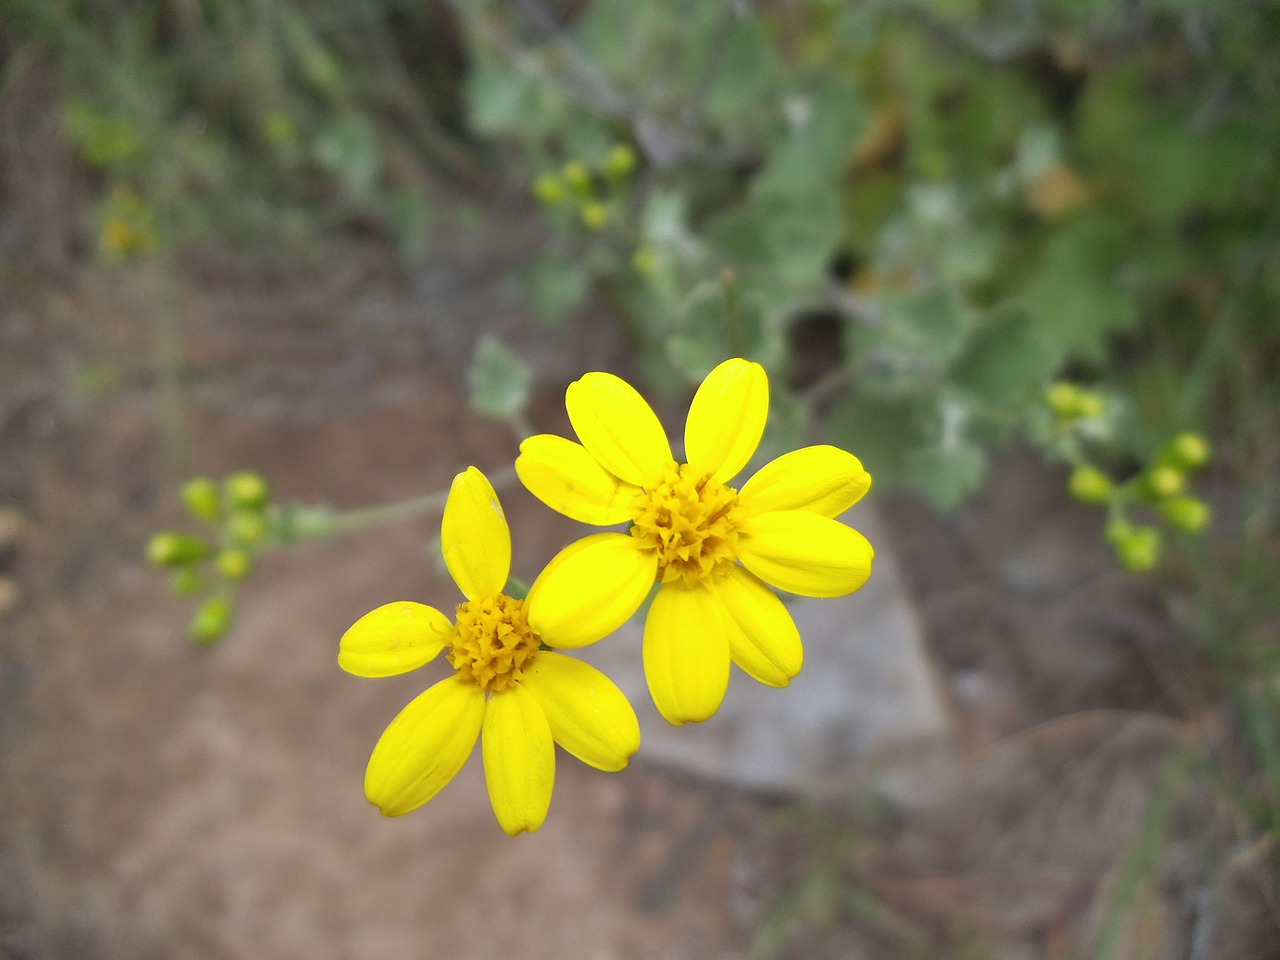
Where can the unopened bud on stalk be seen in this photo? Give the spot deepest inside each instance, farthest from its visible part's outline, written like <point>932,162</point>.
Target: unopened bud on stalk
<point>212,621</point>
<point>200,497</point>
<point>234,563</point>
<point>1186,513</point>
<point>169,549</point>
<point>247,489</point>
<point>1090,485</point>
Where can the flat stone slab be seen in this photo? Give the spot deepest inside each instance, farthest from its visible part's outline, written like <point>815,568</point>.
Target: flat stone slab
<point>867,693</point>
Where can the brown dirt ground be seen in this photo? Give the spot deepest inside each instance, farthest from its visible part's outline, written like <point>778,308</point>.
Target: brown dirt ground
<point>161,800</point>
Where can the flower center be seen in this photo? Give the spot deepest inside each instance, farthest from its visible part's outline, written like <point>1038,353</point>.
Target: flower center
<point>492,642</point>
<point>688,520</point>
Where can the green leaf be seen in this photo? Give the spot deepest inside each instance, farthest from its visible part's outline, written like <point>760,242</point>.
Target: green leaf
<point>1156,155</point>
<point>945,473</point>
<point>719,322</point>
<point>1006,362</point>
<point>878,432</point>
<point>348,148</point>
<point>500,381</point>
<point>744,75</point>
<point>555,287</point>
<point>1077,294</point>
<point>504,100</point>
<point>909,349</point>
<point>810,158</point>
<point>409,217</point>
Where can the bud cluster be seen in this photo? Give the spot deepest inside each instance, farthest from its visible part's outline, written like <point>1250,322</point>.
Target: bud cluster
<point>1160,487</point>
<point>243,521</point>
<point>595,194</point>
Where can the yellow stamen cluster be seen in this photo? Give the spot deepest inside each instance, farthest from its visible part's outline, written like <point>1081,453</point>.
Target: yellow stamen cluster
<point>492,642</point>
<point>688,519</point>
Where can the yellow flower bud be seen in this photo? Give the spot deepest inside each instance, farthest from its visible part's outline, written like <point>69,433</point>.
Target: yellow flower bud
<point>247,489</point>
<point>1139,549</point>
<point>168,549</point>
<point>644,261</point>
<point>1187,513</point>
<point>1062,398</point>
<point>549,189</point>
<point>212,621</point>
<point>595,215</point>
<point>200,496</point>
<point>620,162</point>
<point>1090,485</point>
<point>1190,451</point>
<point>577,176</point>
<point>1089,405</point>
<point>234,563</point>
<point>1163,482</point>
<point>247,526</point>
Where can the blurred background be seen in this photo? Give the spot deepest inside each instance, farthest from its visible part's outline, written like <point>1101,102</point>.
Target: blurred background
<point>1022,258</point>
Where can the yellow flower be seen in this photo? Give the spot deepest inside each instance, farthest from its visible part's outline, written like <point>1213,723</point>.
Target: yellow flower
<point>510,692</point>
<point>712,547</point>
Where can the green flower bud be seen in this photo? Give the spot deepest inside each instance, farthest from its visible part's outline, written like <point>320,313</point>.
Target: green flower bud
<point>1139,550</point>
<point>1187,513</point>
<point>1190,451</point>
<point>233,563</point>
<point>168,549</point>
<point>1090,485</point>
<point>620,162</point>
<point>549,189</point>
<point>644,261</point>
<point>187,581</point>
<point>1062,398</point>
<point>577,176</point>
<point>247,489</point>
<point>1089,405</point>
<point>594,214</point>
<point>245,526</point>
<point>200,497</point>
<point>1163,482</point>
<point>212,621</point>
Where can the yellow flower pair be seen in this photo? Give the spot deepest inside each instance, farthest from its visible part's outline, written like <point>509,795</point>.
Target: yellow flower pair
<point>714,549</point>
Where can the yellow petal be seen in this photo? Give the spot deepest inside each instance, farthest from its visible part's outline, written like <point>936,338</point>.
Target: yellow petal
<point>519,759</point>
<point>617,427</point>
<point>395,638</point>
<point>686,653</point>
<point>822,479</point>
<point>589,716</point>
<point>474,536</point>
<point>590,589</point>
<point>424,746</point>
<point>726,418</point>
<point>567,479</point>
<point>805,553</point>
<point>763,639</point>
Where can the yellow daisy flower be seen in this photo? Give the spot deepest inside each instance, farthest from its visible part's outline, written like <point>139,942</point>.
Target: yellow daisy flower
<point>509,691</point>
<point>713,547</point>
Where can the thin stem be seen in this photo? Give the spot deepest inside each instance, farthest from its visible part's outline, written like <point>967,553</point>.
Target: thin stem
<point>349,521</point>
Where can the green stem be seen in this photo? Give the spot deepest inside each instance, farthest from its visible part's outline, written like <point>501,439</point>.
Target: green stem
<point>351,520</point>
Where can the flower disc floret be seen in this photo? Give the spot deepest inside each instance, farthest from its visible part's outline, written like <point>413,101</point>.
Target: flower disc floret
<point>688,520</point>
<point>491,643</point>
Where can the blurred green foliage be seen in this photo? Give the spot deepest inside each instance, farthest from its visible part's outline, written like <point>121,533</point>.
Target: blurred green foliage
<point>979,195</point>
<point>252,121</point>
